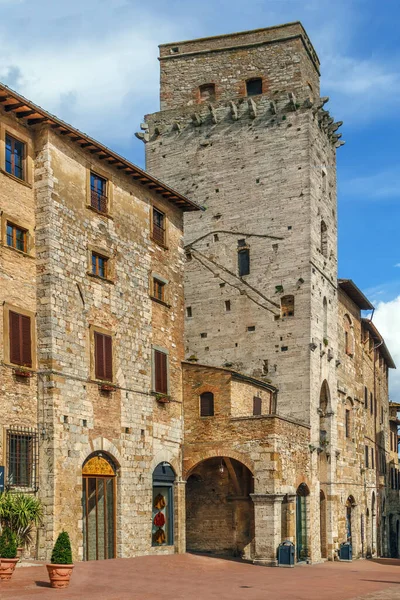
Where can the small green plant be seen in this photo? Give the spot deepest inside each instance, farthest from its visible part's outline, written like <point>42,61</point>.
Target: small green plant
<point>8,544</point>
<point>326,342</point>
<point>62,553</point>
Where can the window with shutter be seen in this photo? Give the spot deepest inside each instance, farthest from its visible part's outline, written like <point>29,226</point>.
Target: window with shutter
<point>20,339</point>
<point>160,372</point>
<point>256,405</point>
<point>103,356</point>
<point>207,404</point>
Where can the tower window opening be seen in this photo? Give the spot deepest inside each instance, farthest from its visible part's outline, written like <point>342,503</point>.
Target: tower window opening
<point>207,92</point>
<point>324,239</point>
<point>254,86</point>
<point>243,262</point>
<point>287,306</point>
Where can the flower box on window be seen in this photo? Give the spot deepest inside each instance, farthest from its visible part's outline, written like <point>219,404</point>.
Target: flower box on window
<point>107,387</point>
<point>22,373</point>
<point>163,398</point>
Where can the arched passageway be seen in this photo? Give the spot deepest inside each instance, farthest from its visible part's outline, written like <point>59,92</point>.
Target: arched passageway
<point>99,506</point>
<point>219,509</point>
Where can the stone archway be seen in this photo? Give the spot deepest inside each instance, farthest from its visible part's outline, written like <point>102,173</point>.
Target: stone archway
<point>219,509</point>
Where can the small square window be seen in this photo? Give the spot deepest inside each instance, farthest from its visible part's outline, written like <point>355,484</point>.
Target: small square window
<point>99,265</point>
<point>251,328</point>
<point>15,157</point>
<point>189,312</point>
<point>254,86</point>
<point>227,305</point>
<point>16,237</point>
<point>158,290</point>
<point>158,232</point>
<point>98,193</point>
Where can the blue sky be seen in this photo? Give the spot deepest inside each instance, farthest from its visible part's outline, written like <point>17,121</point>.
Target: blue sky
<point>94,64</point>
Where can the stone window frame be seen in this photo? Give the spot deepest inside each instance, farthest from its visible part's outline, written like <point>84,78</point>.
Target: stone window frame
<point>27,431</point>
<point>348,328</point>
<point>206,391</point>
<point>96,328</point>
<point>348,420</point>
<point>93,168</point>
<point>204,86</point>
<point>254,76</point>
<point>156,206</point>
<point>7,218</point>
<point>7,308</point>
<point>157,277</point>
<point>28,160</point>
<point>100,251</point>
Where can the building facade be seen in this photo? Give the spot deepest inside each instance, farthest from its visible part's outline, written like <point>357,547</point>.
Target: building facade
<point>91,263</point>
<point>244,131</point>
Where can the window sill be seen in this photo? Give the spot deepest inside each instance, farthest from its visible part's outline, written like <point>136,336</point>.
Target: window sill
<point>98,212</point>
<point>159,243</point>
<point>14,178</point>
<point>158,301</point>
<point>20,252</point>
<point>99,278</point>
<point>16,367</point>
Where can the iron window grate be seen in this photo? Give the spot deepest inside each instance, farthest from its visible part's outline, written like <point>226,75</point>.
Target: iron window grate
<point>22,458</point>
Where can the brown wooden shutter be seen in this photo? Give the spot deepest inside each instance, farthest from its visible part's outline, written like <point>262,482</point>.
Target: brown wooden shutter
<point>207,404</point>
<point>15,338</point>
<point>256,405</point>
<point>26,341</point>
<point>160,372</point>
<point>20,339</point>
<point>99,355</point>
<point>108,363</point>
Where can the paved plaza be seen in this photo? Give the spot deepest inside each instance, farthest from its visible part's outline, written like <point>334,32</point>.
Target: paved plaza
<point>193,577</point>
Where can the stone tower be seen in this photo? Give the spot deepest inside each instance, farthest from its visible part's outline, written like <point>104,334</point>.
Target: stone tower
<point>242,131</point>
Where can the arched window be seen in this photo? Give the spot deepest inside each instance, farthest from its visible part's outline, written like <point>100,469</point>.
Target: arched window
<point>350,504</point>
<point>254,86</point>
<point>287,306</point>
<point>348,336</point>
<point>207,404</point>
<point>324,239</point>
<point>162,531</point>
<point>207,92</point>
<point>325,317</point>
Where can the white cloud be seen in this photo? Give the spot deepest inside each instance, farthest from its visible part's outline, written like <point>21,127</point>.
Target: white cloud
<point>398,265</point>
<point>376,186</point>
<point>387,319</point>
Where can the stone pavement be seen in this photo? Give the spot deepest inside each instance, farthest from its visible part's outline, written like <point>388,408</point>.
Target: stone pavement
<point>193,577</point>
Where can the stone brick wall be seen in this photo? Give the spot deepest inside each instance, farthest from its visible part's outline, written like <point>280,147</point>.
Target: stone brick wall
<point>282,56</point>
<point>73,415</point>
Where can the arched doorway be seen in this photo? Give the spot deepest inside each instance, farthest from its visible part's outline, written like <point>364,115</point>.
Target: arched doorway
<point>350,504</point>
<point>322,524</point>
<point>99,507</point>
<point>302,550</point>
<point>219,509</point>
<point>162,533</point>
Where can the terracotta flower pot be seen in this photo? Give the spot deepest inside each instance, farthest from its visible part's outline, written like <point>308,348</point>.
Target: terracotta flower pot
<point>59,575</point>
<point>7,566</point>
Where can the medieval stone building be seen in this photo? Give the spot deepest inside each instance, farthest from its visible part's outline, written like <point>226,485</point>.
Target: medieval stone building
<point>91,266</point>
<point>244,131</point>
<point>276,426</point>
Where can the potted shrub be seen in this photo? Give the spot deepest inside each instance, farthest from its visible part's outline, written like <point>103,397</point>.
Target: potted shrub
<point>60,569</point>
<point>8,554</point>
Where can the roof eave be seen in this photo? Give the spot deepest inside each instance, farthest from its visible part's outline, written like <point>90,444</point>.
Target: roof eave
<point>31,114</point>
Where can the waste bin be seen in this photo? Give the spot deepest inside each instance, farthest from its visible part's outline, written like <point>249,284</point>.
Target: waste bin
<point>346,551</point>
<point>286,554</point>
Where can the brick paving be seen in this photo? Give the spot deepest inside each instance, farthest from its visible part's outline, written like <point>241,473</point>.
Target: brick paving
<point>193,577</point>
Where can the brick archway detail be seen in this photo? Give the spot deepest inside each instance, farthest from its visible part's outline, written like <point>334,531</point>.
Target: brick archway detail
<point>191,462</point>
